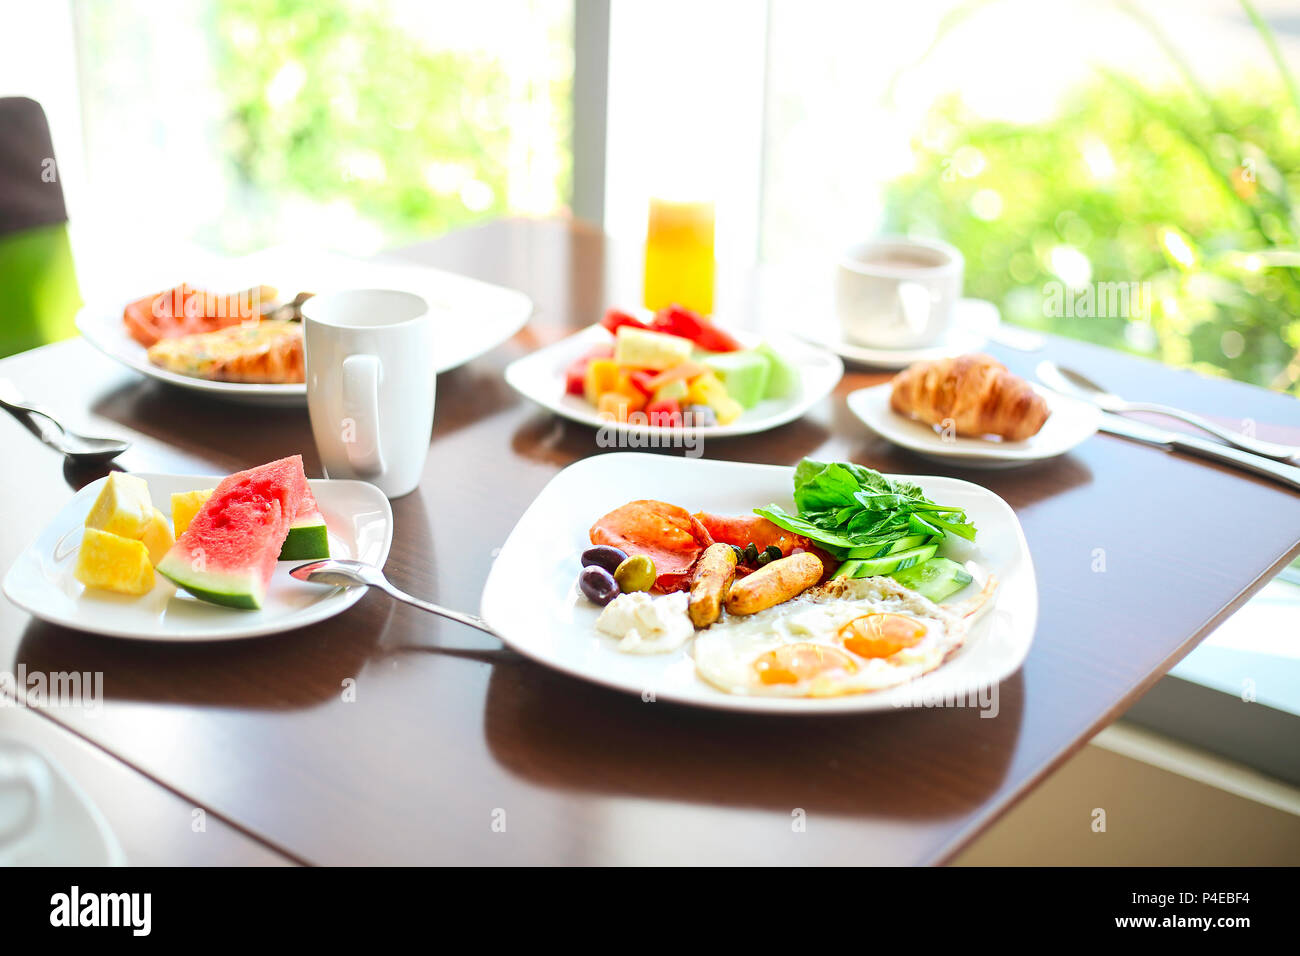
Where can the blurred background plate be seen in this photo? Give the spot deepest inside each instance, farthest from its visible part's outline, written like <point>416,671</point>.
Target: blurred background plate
<point>472,317</point>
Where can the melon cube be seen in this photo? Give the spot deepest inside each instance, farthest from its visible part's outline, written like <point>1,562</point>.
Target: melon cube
<point>783,379</point>
<point>744,373</point>
<point>157,537</point>
<point>185,505</point>
<point>123,506</point>
<point>111,562</point>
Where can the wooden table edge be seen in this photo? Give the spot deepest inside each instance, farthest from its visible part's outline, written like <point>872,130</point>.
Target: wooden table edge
<point>972,833</point>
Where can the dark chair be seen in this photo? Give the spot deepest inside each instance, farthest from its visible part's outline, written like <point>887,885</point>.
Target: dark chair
<point>39,296</point>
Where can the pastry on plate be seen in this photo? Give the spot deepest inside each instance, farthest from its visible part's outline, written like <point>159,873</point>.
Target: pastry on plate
<point>973,394</point>
<point>263,353</point>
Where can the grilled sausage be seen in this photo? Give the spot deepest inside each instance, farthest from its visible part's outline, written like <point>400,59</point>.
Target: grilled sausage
<point>713,576</point>
<point>774,583</point>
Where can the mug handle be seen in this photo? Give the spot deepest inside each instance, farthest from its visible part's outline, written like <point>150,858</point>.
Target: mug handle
<point>361,377</point>
<point>34,778</point>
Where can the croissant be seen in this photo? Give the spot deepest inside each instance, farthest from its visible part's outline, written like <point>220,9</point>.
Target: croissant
<point>974,393</point>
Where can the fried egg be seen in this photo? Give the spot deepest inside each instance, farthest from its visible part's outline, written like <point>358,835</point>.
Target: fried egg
<point>849,636</point>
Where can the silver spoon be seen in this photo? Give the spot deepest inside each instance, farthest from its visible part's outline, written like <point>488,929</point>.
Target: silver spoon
<point>340,572</point>
<point>82,449</point>
<point>1068,380</point>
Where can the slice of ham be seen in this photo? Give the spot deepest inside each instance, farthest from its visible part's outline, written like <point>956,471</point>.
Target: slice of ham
<point>668,535</point>
<point>741,530</point>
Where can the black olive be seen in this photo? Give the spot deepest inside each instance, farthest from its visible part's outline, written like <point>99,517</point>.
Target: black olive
<point>603,556</point>
<point>598,585</point>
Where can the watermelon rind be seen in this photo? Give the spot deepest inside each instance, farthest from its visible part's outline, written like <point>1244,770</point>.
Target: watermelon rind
<point>308,539</point>
<point>243,591</point>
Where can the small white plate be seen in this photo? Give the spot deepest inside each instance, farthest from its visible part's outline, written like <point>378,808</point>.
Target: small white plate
<point>1071,423</point>
<point>71,830</point>
<point>540,377</point>
<point>973,322</point>
<point>360,524</point>
<point>472,317</point>
<point>531,597</point>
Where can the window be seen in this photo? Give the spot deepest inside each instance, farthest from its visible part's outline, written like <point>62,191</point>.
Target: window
<point>238,124</point>
<point>1067,149</point>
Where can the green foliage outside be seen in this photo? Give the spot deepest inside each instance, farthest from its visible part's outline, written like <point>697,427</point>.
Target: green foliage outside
<point>1187,194</point>
<point>335,101</point>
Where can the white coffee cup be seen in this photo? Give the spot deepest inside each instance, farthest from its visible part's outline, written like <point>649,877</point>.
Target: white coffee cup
<point>897,293</point>
<point>370,385</point>
<point>25,795</point>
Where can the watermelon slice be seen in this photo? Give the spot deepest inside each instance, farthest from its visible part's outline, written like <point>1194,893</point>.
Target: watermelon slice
<point>308,538</point>
<point>228,553</point>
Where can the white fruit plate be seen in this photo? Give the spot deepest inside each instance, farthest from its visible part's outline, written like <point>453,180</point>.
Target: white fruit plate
<point>540,377</point>
<point>41,582</point>
<point>532,600</point>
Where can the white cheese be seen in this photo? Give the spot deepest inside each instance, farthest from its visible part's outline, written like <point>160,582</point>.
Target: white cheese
<point>645,624</point>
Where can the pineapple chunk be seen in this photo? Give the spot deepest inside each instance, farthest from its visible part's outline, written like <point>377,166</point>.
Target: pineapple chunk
<point>704,389</point>
<point>185,505</point>
<point>113,563</point>
<point>157,537</point>
<point>727,409</point>
<point>640,348</point>
<point>123,506</point>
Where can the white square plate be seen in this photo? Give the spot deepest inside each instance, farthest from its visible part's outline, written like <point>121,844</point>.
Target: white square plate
<point>360,524</point>
<point>471,317</point>
<point>540,377</point>
<point>1071,423</point>
<point>532,600</point>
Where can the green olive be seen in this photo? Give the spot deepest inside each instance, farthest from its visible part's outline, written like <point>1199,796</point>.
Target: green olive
<point>637,573</point>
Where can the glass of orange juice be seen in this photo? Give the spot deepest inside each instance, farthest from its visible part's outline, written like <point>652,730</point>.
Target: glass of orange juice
<point>679,262</point>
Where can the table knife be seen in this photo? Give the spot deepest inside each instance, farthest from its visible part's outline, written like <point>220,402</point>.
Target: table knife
<point>1202,448</point>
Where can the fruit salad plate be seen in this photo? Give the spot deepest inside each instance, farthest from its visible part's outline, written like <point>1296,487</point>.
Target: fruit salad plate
<point>472,317</point>
<point>41,581</point>
<point>533,601</point>
<point>541,378</point>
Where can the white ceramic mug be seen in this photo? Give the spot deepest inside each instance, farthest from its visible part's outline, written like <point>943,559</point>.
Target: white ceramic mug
<point>370,385</point>
<point>25,793</point>
<point>897,293</point>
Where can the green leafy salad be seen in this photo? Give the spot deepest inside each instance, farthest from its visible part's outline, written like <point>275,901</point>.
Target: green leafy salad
<point>875,526</point>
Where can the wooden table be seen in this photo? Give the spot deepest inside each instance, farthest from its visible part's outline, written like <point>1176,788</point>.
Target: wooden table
<point>450,734</point>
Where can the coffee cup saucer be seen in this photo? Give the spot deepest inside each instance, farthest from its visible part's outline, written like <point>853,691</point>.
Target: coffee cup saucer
<point>974,321</point>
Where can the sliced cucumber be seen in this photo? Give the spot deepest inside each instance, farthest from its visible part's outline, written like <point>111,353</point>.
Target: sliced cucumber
<point>910,542</point>
<point>846,569</point>
<point>875,550</point>
<point>938,578</point>
<point>886,564</point>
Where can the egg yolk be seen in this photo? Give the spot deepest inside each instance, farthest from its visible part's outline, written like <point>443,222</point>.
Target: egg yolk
<point>881,635</point>
<point>791,663</point>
